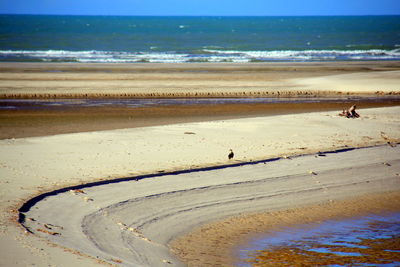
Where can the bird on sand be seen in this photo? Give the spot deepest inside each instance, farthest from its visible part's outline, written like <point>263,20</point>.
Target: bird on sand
<point>230,155</point>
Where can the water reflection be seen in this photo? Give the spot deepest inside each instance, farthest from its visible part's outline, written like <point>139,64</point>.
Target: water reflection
<point>134,103</point>
<point>368,241</point>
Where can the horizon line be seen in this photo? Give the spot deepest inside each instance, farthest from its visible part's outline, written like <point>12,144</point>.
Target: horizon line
<point>120,15</point>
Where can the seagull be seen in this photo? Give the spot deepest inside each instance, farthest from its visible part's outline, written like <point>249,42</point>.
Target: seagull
<point>230,155</point>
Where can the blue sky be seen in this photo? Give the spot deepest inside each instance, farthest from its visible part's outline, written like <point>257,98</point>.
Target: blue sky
<point>202,7</point>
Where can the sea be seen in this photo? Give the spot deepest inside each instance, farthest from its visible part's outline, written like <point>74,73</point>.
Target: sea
<point>130,39</point>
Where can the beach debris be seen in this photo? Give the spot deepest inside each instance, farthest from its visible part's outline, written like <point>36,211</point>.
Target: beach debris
<point>76,191</point>
<point>384,136</point>
<point>312,172</point>
<point>51,226</point>
<point>131,229</point>
<point>27,232</point>
<point>320,154</point>
<point>387,164</point>
<point>116,260</point>
<point>47,232</point>
<point>135,231</point>
<point>145,239</point>
<point>391,144</point>
<point>87,199</point>
<point>166,261</point>
<point>231,154</point>
<point>122,225</point>
<point>189,133</point>
<point>139,234</point>
<point>367,138</point>
<point>389,140</point>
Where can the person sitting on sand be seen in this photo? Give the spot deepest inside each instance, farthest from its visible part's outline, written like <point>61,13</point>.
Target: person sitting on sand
<point>353,113</point>
<point>350,113</point>
<point>345,113</point>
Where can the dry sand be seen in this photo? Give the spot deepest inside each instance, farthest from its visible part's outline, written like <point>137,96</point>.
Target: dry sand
<point>39,164</point>
<point>34,165</point>
<point>199,79</point>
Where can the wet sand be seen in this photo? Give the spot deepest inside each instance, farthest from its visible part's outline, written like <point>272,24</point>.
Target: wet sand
<point>220,242</point>
<point>72,80</point>
<point>45,121</point>
<point>372,239</point>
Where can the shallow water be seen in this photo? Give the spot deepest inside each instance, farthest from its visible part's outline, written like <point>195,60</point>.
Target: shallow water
<point>29,104</point>
<point>364,241</point>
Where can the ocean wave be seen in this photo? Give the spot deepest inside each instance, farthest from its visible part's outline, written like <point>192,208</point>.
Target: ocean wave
<point>292,55</point>
<point>205,55</point>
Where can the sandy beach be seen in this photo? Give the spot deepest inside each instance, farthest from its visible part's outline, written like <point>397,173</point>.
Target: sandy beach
<point>133,222</point>
<point>158,183</point>
<point>50,80</point>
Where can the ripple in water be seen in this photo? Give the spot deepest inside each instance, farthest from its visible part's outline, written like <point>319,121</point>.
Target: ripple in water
<point>29,104</point>
<point>367,241</point>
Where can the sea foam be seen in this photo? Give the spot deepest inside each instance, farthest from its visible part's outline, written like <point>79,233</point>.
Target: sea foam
<point>205,55</point>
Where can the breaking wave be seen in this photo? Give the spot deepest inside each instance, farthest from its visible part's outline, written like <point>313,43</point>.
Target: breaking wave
<point>204,55</point>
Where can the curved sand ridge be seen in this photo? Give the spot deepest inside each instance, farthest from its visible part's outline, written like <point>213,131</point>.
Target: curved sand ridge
<point>132,222</point>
